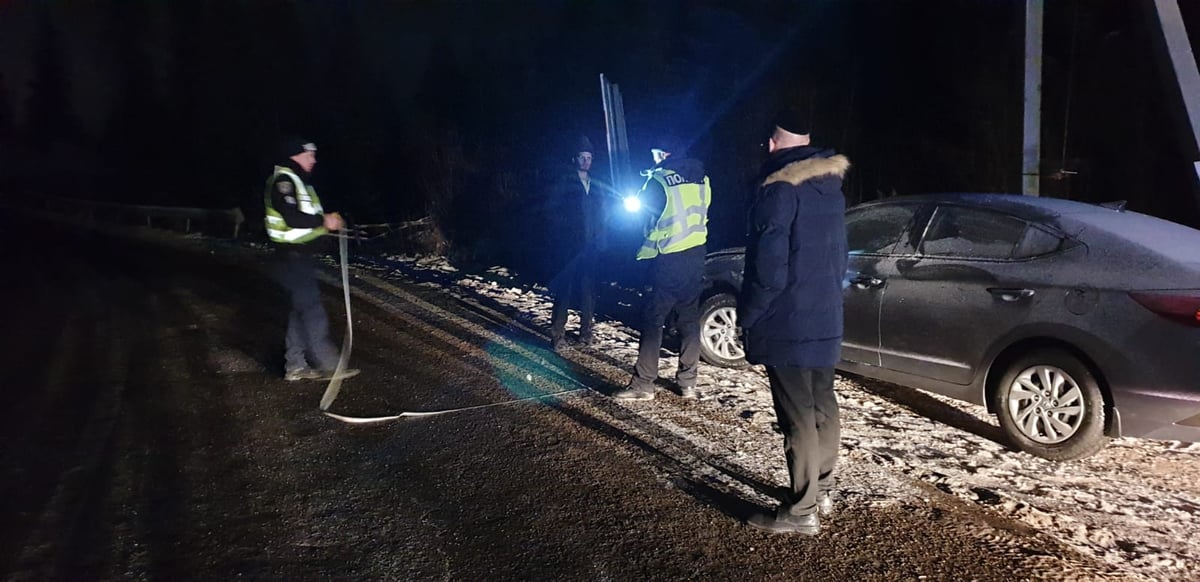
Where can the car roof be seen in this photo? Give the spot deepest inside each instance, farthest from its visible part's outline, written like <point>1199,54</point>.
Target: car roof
<point>1027,207</point>
<point>1168,238</point>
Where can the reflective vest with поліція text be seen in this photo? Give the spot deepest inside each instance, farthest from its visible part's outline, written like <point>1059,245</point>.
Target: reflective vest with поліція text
<point>306,201</point>
<point>684,221</point>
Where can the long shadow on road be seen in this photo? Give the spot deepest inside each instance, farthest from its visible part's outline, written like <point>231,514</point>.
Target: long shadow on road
<point>934,409</point>
<point>696,472</point>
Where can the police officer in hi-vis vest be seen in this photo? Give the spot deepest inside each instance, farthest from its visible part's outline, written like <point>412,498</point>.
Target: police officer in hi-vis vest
<point>675,244</point>
<point>294,220</point>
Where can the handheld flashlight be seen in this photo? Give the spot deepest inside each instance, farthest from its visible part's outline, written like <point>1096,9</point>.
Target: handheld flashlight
<point>632,204</point>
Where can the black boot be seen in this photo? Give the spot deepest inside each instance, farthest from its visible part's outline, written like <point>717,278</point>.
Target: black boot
<point>635,390</point>
<point>784,522</point>
<point>634,394</point>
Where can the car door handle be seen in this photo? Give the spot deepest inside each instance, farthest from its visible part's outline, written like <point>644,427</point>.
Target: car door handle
<point>865,282</point>
<point>1010,295</point>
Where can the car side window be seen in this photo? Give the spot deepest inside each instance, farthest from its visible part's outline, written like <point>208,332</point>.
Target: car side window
<point>875,230</point>
<point>957,231</point>
<point>1037,242</point>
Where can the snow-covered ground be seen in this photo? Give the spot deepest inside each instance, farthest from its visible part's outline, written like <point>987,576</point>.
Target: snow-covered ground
<point>1135,505</point>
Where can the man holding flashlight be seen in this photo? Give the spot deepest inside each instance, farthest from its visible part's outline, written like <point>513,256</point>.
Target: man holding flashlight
<point>675,244</point>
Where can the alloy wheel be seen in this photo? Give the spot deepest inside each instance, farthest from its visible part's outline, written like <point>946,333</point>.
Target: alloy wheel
<point>1046,404</point>
<point>719,334</point>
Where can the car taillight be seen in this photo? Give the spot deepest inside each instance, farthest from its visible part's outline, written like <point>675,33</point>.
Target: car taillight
<point>1183,307</point>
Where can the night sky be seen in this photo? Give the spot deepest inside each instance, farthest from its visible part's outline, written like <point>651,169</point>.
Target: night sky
<point>467,109</point>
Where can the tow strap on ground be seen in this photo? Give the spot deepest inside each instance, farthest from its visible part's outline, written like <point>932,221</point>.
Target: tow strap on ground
<point>368,420</point>
<point>335,383</point>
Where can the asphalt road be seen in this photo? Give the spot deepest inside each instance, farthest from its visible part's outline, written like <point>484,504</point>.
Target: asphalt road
<point>148,435</point>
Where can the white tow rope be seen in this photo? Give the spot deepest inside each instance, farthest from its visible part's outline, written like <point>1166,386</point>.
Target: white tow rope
<point>369,420</point>
<point>335,383</point>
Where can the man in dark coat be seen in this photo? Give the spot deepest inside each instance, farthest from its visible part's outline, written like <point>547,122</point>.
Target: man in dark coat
<point>791,310</point>
<point>577,204</point>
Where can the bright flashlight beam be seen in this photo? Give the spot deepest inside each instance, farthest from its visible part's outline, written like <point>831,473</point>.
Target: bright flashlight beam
<point>632,204</point>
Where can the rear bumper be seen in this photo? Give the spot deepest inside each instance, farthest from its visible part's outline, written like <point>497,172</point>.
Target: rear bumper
<point>1159,414</point>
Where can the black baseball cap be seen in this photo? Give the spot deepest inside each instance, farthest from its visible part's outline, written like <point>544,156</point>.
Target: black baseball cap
<point>290,146</point>
<point>793,120</point>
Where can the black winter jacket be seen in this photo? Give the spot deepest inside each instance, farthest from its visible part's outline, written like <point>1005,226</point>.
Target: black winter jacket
<point>576,218</point>
<point>791,305</point>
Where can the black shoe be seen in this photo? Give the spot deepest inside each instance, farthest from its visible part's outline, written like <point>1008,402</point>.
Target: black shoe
<point>632,393</point>
<point>558,345</point>
<point>586,340</point>
<point>807,525</point>
<point>687,392</point>
<point>825,503</point>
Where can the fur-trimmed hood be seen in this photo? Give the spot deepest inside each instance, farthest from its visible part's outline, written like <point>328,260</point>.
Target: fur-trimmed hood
<point>799,171</point>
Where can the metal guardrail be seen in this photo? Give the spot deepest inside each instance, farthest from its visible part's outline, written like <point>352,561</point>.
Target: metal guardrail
<point>217,222</point>
<point>172,216</point>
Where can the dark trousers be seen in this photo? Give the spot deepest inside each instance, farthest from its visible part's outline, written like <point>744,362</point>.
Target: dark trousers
<point>577,280</point>
<point>307,339</point>
<point>677,280</point>
<point>808,415</point>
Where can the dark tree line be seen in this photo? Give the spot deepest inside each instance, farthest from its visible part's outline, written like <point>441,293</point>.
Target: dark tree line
<point>464,110</point>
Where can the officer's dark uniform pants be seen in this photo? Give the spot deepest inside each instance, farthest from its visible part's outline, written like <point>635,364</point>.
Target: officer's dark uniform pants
<point>307,339</point>
<point>677,280</point>
<point>808,415</point>
<point>578,280</point>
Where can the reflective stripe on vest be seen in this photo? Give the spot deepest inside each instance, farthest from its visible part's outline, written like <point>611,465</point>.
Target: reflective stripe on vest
<point>684,221</point>
<point>306,201</point>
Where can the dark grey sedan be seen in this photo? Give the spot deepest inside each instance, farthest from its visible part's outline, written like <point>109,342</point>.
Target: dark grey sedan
<point>1072,322</point>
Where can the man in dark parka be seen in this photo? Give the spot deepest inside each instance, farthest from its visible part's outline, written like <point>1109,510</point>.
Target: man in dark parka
<point>791,311</point>
<point>577,215</point>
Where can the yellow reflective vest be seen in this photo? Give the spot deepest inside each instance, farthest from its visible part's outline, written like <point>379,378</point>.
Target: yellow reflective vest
<point>306,200</point>
<point>684,221</point>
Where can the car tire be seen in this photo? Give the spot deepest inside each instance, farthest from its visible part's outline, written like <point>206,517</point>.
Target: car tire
<point>1050,405</point>
<point>719,342</point>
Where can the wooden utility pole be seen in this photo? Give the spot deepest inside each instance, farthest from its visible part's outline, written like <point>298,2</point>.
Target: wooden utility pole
<point>1031,159</point>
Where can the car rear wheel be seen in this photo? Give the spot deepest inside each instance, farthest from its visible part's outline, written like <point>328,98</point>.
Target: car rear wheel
<point>719,341</point>
<point>1050,405</point>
